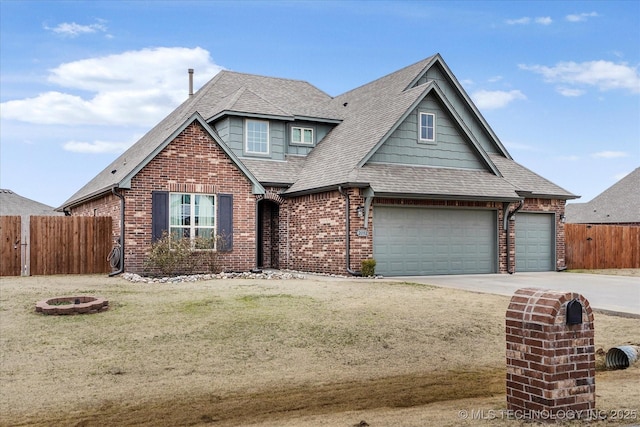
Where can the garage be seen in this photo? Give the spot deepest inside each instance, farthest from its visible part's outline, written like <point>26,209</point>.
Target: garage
<point>414,241</point>
<point>535,242</point>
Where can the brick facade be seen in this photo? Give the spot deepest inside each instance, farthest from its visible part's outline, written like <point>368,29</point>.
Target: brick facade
<point>550,364</point>
<point>192,162</point>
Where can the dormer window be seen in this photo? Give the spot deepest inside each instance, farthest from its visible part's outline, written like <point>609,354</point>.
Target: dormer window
<point>300,135</point>
<point>427,127</point>
<point>257,137</point>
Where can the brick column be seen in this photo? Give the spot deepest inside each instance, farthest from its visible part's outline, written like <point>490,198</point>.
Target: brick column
<point>550,357</point>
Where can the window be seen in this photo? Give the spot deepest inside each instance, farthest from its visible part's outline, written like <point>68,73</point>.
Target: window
<point>257,137</point>
<point>301,135</point>
<point>193,216</point>
<point>163,207</point>
<point>427,127</point>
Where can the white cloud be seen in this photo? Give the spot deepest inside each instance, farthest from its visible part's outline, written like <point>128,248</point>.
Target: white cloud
<point>566,91</point>
<point>132,88</point>
<point>609,154</point>
<point>605,75</point>
<point>580,17</point>
<point>519,21</point>
<point>544,20</point>
<point>72,29</point>
<point>570,158</point>
<point>525,20</point>
<point>490,100</point>
<point>96,147</point>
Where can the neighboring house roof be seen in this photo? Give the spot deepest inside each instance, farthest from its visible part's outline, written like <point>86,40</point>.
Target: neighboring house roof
<point>365,118</point>
<point>13,204</point>
<point>619,203</point>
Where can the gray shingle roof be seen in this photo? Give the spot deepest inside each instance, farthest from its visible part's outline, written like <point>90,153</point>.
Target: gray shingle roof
<point>14,204</point>
<point>428,182</point>
<point>526,181</point>
<point>271,96</point>
<point>366,116</point>
<point>619,203</point>
<point>276,172</point>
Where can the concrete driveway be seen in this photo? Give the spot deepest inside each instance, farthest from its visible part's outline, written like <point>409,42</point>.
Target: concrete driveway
<point>619,294</point>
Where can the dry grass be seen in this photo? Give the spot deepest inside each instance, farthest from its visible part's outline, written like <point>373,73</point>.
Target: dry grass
<point>234,352</point>
<point>631,272</point>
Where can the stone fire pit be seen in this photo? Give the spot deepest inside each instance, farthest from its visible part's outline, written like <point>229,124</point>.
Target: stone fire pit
<point>81,304</point>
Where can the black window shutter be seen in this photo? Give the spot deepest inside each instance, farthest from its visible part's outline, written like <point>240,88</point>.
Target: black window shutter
<point>225,222</point>
<point>159,214</point>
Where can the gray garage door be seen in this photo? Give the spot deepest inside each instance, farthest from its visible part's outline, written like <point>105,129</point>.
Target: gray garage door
<point>423,241</point>
<point>535,242</point>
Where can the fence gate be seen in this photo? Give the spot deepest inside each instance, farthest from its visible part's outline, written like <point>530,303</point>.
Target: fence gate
<point>70,244</point>
<point>602,246</point>
<point>10,246</point>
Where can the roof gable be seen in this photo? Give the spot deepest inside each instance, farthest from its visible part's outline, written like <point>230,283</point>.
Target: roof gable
<point>438,71</point>
<point>371,113</point>
<point>471,149</point>
<point>248,103</point>
<point>231,91</point>
<point>125,182</point>
<point>120,172</point>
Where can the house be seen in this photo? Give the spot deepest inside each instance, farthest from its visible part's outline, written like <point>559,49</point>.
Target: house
<point>404,169</point>
<point>617,205</point>
<point>12,204</point>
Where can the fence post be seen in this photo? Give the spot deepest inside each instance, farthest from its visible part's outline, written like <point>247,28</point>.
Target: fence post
<point>25,252</point>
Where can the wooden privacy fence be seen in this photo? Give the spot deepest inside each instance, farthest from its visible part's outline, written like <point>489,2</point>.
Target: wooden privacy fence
<point>56,245</point>
<point>602,246</point>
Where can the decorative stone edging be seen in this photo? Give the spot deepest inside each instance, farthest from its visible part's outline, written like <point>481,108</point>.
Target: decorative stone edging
<point>265,275</point>
<point>81,304</point>
<point>269,275</point>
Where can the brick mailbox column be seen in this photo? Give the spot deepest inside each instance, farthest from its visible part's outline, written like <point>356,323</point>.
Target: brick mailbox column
<point>550,354</point>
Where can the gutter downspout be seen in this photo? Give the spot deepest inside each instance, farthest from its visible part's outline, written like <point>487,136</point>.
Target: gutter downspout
<point>347,234</point>
<point>507,218</point>
<point>121,239</point>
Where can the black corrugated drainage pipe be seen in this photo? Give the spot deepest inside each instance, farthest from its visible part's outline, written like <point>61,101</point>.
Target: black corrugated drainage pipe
<point>118,250</point>
<point>506,227</point>
<point>347,237</point>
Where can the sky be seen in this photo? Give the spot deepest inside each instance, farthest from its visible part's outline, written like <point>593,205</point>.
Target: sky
<point>80,81</point>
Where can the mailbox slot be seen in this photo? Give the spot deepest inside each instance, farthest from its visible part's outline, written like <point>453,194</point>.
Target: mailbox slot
<point>574,312</point>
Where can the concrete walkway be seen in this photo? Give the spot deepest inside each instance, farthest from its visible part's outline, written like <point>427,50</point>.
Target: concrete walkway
<point>620,294</point>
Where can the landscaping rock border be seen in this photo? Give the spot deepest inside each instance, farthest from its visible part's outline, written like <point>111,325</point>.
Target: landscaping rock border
<point>266,275</point>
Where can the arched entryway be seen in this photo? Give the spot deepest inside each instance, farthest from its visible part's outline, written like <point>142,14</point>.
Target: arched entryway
<point>268,234</point>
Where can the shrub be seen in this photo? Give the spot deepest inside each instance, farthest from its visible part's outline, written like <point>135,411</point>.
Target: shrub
<point>368,267</point>
<point>169,257</point>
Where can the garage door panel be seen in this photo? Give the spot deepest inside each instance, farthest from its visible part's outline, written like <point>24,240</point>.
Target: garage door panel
<point>434,241</point>
<point>535,242</point>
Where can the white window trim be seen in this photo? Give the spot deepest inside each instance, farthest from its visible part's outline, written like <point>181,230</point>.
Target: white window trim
<point>246,138</point>
<point>192,214</point>
<point>429,140</point>
<point>302,129</point>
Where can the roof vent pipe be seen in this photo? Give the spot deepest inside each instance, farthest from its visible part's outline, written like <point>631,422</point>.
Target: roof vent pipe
<point>190,81</point>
